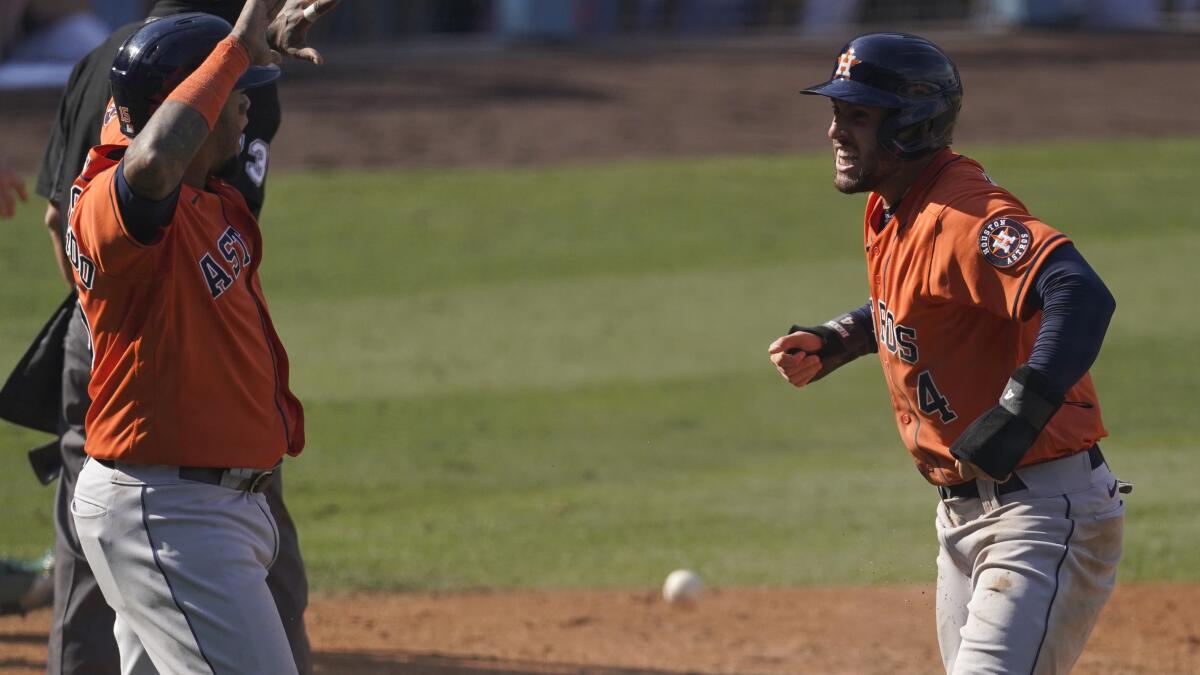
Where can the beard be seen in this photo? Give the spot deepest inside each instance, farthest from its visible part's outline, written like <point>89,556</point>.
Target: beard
<point>227,169</point>
<point>863,176</point>
<point>867,170</point>
<point>853,182</point>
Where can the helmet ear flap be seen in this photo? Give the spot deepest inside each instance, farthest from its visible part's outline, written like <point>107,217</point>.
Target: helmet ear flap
<point>914,137</point>
<point>901,141</point>
<point>917,139</point>
<point>132,109</point>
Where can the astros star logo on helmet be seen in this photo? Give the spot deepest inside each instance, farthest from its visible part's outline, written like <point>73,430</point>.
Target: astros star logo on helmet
<point>846,61</point>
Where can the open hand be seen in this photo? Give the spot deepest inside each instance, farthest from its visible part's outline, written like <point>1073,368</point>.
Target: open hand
<point>251,31</point>
<point>288,32</point>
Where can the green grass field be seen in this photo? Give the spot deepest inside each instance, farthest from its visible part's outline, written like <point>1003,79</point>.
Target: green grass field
<point>558,377</point>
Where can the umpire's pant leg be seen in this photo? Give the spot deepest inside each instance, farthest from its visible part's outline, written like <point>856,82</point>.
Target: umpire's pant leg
<point>81,633</point>
<point>286,577</point>
<point>81,630</point>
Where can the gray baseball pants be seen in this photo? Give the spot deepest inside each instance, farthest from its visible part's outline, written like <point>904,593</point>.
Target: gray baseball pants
<point>1022,576</point>
<point>184,566</point>
<point>81,631</point>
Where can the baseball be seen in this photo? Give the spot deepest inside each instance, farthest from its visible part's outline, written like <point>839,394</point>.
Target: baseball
<point>682,586</point>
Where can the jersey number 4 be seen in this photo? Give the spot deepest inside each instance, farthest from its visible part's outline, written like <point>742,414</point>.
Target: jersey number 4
<point>931,400</point>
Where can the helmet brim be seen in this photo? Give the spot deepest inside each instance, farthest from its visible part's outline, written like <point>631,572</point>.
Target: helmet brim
<point>257,76</point>
<point>857,93</point>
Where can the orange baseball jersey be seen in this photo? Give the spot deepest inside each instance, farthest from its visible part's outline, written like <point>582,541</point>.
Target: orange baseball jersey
<point>187,367</point>
<point>950,275</point>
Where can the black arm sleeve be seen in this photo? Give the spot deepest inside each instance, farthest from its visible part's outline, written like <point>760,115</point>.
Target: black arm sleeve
<point>862,316</point>
<point>144,218</point>
<point>1076,308</point>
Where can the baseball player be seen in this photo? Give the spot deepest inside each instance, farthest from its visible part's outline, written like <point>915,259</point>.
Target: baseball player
<point>986,321</point>
<point>80,635</point>
<point>191,410</point>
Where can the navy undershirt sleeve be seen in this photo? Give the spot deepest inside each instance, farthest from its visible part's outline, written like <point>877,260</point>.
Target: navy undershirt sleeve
<point>144,218</point>
<point>1076,308</point>
<point>862,317</point>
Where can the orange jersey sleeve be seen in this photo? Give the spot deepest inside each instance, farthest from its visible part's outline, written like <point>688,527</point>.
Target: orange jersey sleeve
<point>98,224</point>
<point>987,247</point>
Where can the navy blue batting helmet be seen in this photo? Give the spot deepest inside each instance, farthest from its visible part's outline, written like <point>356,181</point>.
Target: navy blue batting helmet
<point>161,54</point>
<point>907,74</point>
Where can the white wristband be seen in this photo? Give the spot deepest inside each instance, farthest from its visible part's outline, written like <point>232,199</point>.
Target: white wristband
<point>310,12</point>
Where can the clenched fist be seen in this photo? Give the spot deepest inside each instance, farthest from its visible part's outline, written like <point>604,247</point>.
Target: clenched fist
<point>795,357</point>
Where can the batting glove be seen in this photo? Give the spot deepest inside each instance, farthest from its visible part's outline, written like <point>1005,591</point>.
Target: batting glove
<point>842,340</point>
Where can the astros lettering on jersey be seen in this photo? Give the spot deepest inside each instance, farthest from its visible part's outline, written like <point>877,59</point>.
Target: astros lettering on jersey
<point>958,240</point>
<point>186,311</point>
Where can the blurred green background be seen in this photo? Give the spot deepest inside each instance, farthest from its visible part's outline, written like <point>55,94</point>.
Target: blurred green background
<point>557,377</point>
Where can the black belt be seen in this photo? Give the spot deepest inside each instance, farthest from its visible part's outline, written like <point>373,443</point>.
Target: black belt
<point>970,489</point>
<point>249,480</point>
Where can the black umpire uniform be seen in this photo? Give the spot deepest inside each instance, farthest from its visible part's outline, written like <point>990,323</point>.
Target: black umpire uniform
<point>81,636</point>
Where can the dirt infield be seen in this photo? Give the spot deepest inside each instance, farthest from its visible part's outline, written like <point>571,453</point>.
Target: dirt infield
<point>1146,628</point>
<point>434,107</point>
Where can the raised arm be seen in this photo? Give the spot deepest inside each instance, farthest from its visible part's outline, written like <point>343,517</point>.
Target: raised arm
<point>161,153</point>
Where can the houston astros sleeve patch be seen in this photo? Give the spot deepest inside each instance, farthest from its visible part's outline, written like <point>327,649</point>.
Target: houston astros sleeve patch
<point>1004,242</point>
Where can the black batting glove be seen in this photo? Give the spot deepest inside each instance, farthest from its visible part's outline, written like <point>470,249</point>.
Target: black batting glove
<point>842,340</point>
<point>999,438</point>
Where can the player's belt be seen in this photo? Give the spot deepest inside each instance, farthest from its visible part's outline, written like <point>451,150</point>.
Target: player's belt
<point>249,480</point>
<point>970,490</point>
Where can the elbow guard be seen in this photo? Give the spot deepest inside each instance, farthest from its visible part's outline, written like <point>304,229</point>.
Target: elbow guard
<point>999,439</point>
